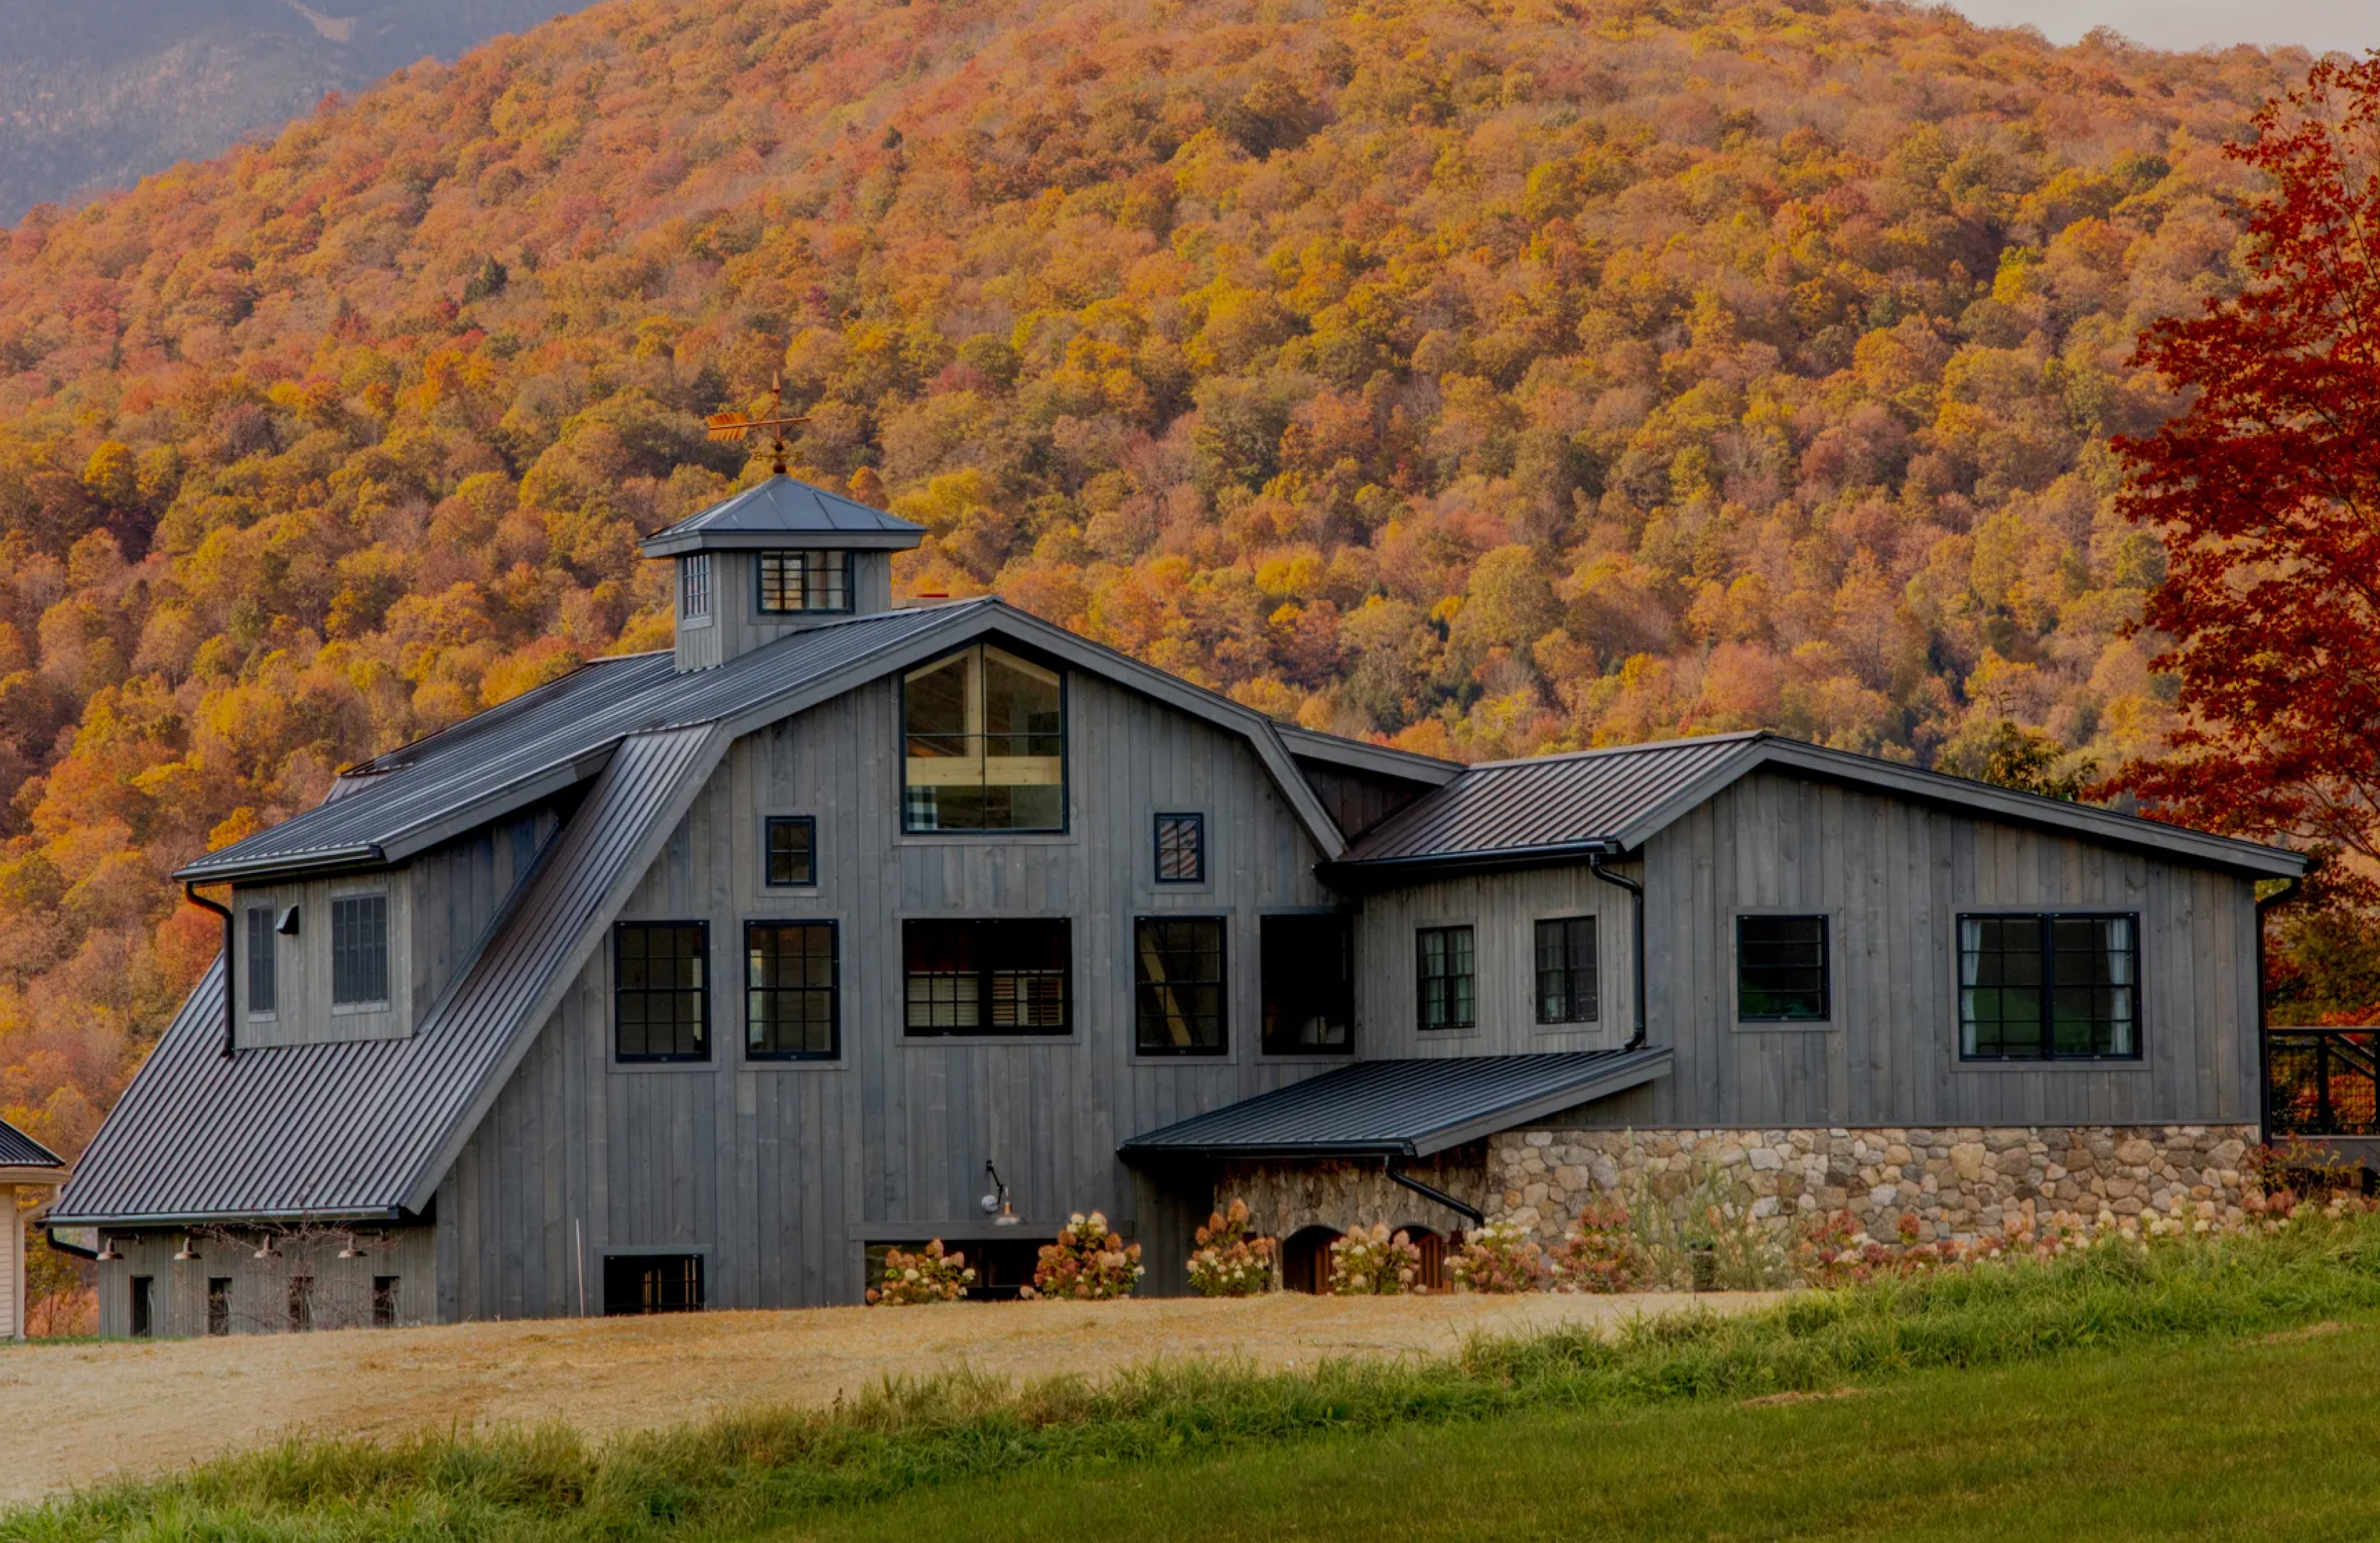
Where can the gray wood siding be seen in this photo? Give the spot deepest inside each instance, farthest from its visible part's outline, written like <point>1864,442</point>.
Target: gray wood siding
<point>260,1289</point>
<point>736,624</point>
<point>1893,877</point>
<point>781,1172</point>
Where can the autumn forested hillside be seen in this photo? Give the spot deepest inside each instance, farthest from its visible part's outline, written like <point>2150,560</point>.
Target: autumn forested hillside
<point>1493,376</point>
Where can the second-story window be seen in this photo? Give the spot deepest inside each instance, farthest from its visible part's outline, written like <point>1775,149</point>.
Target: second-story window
<point>965,978</point>
<point>660,990</point>
<point>1181,848</point>
<point>1178,985</point>
<point>789,991</point>
<point>1780,969</point>
<point>1307,970</point>
<point>263,982</point>
<point>359,950</point>
<point>795,582</point>
<point>1566,974</point>
<point>792,855</point>
<point>694,585</point>
<point>1448,978</point>
<point>985,744</point>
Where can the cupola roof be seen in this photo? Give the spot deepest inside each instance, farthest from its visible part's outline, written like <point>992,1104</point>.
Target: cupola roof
<point>785,511</point>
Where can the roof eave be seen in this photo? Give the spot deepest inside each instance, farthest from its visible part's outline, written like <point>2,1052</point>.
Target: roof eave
<point>1632,1069</point>
<point>198,1218</point>
<point>1373,873</point>
<point>673,544</point>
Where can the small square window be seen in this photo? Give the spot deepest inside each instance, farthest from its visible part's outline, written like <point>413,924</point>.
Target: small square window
<point>1781,969</point>
<point>791,851</point>
<point>1181,848</point>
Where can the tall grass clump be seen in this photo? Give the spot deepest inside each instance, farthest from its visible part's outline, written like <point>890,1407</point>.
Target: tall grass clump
<point>750,1469</point>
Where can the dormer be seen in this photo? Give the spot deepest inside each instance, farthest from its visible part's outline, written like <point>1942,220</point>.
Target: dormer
<point>777,557</point>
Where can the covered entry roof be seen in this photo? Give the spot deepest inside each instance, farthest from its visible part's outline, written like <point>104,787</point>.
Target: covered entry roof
<point>1401,1108</point>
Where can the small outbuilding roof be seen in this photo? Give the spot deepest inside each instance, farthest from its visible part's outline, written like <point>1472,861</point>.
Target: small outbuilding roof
<point>20,1151</point>
<point>1513,813</point>
<point>785,511</point>
<point>1405,1108</point>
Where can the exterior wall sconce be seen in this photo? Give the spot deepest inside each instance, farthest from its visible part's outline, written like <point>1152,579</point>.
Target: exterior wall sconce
<point>996,1204</point>
<point>187,1252</point>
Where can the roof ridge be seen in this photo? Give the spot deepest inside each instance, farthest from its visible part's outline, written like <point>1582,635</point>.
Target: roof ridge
<point>1683,742</point>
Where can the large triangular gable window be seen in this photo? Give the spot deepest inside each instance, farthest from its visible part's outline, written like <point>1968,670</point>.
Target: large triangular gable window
<point>985,749</point>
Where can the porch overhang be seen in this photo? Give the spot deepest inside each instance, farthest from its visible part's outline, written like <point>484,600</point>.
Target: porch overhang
<point>1398,1109</point>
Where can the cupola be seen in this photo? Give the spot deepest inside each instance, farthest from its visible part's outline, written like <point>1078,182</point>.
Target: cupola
<point>778,556</point>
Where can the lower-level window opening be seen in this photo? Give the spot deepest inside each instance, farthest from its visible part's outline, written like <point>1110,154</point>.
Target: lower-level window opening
<point>384,1301</point>
<point>651,1283</point>
<point>144,1305</point>
<point>301,1302</point>
<point>218,1303</point>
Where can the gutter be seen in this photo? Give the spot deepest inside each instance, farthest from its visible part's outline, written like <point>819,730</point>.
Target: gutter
<point>1398,1175</point>
<point>1636,894</point>
<point>231,944</point>
<point>1383,871</point>
<point>389,1215</point>
<point>2282,896</point>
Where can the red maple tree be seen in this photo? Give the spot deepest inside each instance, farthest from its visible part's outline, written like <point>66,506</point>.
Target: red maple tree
<point>2266,493</point>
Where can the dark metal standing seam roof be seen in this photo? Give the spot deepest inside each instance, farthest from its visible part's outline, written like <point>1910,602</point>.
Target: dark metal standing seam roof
<point>1406,1108</point>
<point>363,1129</point>
<point>1553,801</point>
<point>787,507</point>
<point>20,1151</point>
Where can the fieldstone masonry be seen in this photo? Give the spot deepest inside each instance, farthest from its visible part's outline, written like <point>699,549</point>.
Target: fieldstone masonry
<point>1956,1181</point>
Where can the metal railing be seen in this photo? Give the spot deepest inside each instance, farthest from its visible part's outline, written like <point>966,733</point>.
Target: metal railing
<point>2322,1081</point>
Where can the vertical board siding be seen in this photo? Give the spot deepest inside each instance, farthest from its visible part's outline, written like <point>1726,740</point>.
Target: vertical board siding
<point>260,1289</point>
<point>1892,876</point>
<point>779,1173</point>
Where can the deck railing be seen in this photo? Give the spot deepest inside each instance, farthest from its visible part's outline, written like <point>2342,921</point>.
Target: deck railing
<point>2322,1081</point>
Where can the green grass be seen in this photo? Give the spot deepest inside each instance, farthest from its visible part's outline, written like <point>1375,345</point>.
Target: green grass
<point>746,1475</point>
<point>2236,1440</point>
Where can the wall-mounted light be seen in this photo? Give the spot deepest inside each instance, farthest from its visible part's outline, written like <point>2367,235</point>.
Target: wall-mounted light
<point>287,925</point>
<point>187,1252</point>
<point>107,1254</point>
<point>265,1250</point>
<point>995,1205</point>
<point>354,1250</point>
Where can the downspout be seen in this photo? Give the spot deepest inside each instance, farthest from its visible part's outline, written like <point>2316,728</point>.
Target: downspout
<point>1429,1192</point>
<point>2282,896</point>
<point>231,943</point>
<point>1636,893</point>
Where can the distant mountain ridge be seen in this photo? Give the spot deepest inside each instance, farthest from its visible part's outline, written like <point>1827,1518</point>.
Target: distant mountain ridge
<point>97,95</point>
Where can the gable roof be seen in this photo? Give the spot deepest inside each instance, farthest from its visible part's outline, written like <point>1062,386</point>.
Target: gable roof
<point>1405,1108</point>
<point>366,1129</point>
<point>1513,813</point>
<point>781,511</point>
<point>20,1151</point>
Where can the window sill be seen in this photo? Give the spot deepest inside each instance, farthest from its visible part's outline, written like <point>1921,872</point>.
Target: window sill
<point>2061,1064</point>
<point>977,838</point>
<point>1182,1058</point>
<point>1785,1026</point>
<point>969,1042</point>
<point>793,1063</point>
<point>1307,1058</point>
<point>650,1068</point>
<point>356,1009</point>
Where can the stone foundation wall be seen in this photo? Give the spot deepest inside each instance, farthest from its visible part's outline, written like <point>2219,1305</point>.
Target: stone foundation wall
<point>1282,1198</point>
<point>1956,1181</point>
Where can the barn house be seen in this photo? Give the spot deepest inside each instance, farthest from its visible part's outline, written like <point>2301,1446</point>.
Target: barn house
<point>692,977</point>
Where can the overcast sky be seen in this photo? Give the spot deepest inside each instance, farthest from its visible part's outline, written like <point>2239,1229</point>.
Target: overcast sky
<point>2353,25</point>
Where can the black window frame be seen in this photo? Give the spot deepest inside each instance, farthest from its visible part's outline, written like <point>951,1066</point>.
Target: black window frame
<point>1568,969</point>
<point>842,581</point>
<point>1424,979</point>
<point>770,826</point>
<point>620,991</point>
<point>1286,981</point>
<point>262,964</point>
<point>986,972</point>
<point>755,992</point>
<point>646,1271</point>
<point>2048,988</point>
<point>1179,825</point>
<point>371,955</point>
<point>695,598</point>
<point>1149,996</point>
<point>1826,1012</point>
<point>909,826</point>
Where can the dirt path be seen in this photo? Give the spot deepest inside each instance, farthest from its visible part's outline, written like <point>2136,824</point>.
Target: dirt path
<point>77,1413</point>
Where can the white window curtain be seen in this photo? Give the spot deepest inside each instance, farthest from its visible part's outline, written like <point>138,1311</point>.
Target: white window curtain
<point>2123,1029</point>
<point>1971,945</point>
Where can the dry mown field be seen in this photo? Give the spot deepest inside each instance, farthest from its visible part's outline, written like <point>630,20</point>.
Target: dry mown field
<point>79,1412</point>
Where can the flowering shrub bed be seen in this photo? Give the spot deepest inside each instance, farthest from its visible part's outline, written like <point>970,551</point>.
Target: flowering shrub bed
<point>1088,1263</point>
<point>1599,1253</point>
<point>1499,1259</point>
<point>1370,1261</point>
<point>913,1280</point>
<point>1229,1263</point>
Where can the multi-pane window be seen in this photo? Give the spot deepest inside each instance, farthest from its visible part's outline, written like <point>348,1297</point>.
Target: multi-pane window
<point>2036,987</point>
<point>792,855</point>
<point>792,582</point>
<point>1448,975</point>
<point>359,950</point>
<point>1181,848</point>
<point>965,978</point>
<point>694,585</point>
<point>789,991</point>
<point>263,980</point>
<point>984,744</point>
<point>1178,985</point>
<point>660,990</point>
<point>651,1283</point>
<point>1780,969</point>
<point>1566,977</point>
<point>1308,972</point>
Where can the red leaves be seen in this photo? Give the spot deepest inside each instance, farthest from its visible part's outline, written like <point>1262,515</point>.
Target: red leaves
<point>2266,491</point>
